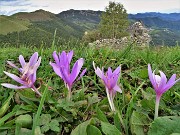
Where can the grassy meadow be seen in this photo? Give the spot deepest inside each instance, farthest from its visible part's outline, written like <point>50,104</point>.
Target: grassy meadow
<point>88,113</point>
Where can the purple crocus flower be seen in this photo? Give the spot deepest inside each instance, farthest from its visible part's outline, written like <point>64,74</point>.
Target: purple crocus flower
<point>110,80</point>
<point>62,68</point>
<point>160,85</point>
<point>27,73</point>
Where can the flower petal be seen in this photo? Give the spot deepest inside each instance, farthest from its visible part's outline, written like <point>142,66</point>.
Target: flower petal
<point>117,70</point>
<point>63,58</point>
<point>167,87</point>
<point>151,77</point>
<point>64,61</point>
<point>14,66</point>
<point>172,79</point>
<point>33,59</point>
<point>109,72</point>
<point>65,76</point>
<point>98,71</point>
<point>163,81</point>
<point>56,69</point>
<point>112,81</point>
<point>11,86</point>
<point>170,83</point>
<point>82,73</point>
<point>76,69</point>
<point>22,61</point>
<point>37,65</point>
<point>117,88</point>
<point>14,77</point>
<point>94,66</point>
<point>116,78</point>
<point>32,77</point>
<point>70,55</point>
<point>56,58</point>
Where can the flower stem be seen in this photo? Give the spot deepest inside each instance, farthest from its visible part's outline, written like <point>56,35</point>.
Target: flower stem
<point>36,90</point>
<point>69,94</point>
<point>157,106</point>
<point>110,100</point>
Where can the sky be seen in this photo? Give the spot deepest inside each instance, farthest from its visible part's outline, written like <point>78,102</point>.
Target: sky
<point>9,7</point>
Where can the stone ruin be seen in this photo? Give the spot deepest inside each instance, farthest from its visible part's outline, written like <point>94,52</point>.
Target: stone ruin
<point>138,34</point>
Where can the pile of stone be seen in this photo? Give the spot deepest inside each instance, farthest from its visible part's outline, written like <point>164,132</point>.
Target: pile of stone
<point>139,34</point>
<point>115,43</point>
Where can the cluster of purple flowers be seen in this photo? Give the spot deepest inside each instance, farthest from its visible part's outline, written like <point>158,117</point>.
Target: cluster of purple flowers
<point>61,67</point>
<point>27,76</point>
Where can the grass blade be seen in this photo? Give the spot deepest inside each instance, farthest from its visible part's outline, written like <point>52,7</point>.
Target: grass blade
<point>35,121</point>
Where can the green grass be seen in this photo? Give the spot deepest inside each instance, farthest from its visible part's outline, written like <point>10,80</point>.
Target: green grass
<point>89,112</point>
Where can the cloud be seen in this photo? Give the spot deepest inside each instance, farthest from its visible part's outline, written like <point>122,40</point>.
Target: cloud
<point>135,6</point>
<point>9,7</point>
<point>8,0</point>
<point>15,3</point>
<point>12,11</point>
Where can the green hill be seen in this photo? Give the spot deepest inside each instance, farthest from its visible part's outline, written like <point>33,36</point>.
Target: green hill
<point>11,24</point>
<point>38,15</point>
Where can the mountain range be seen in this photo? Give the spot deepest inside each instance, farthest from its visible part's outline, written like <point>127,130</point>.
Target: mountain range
<point>38,27</point>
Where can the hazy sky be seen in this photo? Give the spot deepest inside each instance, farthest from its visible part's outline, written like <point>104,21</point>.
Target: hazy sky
<point>8,7</point>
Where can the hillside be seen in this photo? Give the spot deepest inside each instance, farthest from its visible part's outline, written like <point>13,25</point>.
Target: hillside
<point>87,19</point>
<point>11,24</point>
<point>38,15</point>
<point>38,27</point>
<point>49,22</point>
<point>41,30</point>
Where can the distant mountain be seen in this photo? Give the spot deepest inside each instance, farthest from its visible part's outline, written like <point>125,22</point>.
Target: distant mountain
<point>86,19</point>
<point>163,16</point>
<point>79,16</point>
<point>38,27</point>
<point>158,20</point>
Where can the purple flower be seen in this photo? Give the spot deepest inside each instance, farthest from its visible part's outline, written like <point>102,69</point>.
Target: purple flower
<point>160,85</point>
<point>62,68</point>
<point>27,73</point>
<point>110,80</point>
